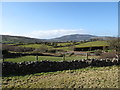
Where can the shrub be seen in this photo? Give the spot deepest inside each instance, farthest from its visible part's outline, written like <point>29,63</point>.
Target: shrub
<point>98,52</point>
<point>43,48</point>
<point>52,51</point>
<point>108,55</point>
<point>4,52</point>
<point>16,48</point>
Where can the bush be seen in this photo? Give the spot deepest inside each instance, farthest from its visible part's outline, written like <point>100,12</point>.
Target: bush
<point>16,48</point>
<point>98,52</point>
<point>52,51</point>
<point>43,48</point>
<point>108,55</point>
<point>4,52</point>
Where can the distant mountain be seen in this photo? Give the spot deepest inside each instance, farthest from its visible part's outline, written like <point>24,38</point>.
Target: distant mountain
<point>74,37</point>
<point>104,37</point>
<point>19,39</point>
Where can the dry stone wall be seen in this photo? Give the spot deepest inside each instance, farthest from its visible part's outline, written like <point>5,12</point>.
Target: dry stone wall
<point>48,66</point>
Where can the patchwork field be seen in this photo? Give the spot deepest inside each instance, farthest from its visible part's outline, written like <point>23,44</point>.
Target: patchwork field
<point>94,43</point>
<point>90,77</point>
<point>51,58</point>
<point>35,46</point>
<point>102,77</point>
<point>68,48</point>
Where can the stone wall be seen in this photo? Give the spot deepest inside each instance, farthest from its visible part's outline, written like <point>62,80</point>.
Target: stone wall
<point>47,66</point>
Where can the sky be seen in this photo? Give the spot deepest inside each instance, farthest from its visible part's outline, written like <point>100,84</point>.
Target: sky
<point>47,20</point>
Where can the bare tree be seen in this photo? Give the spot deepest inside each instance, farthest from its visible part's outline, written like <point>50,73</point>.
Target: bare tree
<point>115,45</point>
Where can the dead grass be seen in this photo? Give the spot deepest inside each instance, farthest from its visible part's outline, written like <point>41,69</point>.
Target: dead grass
<point>101,77</point>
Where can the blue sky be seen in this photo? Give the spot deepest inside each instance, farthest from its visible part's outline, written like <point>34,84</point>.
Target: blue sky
<point>54,19</point>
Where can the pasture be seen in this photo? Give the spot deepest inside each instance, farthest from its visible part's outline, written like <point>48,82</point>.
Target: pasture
<point>91,77</point>
<point>94,43</point>
<point>63,46</point>
<point>50,58</point>
<point>34,45</point>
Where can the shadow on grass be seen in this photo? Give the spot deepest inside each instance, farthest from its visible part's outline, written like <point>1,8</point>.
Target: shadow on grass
<point>49,71</point>
<point>17,55</point>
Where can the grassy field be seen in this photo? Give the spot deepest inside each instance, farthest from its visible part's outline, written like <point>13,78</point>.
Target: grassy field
<point>35,45</point>
<point>63,48</point>
<point>63,44</point>
<point>51,58</point>
<point>68,48</point>
<point>97,77</point>
<point>48,47</point>
<point>31,45</point>
<point>94,43</point>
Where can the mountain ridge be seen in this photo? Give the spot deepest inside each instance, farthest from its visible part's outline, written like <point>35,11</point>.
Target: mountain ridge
<point>72,37</point>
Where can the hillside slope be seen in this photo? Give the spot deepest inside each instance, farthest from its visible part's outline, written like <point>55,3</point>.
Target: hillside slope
<point>74,37</point>
<point>19,39</point>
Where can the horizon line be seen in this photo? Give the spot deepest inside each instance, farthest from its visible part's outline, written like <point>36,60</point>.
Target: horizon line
<point>59,36</point>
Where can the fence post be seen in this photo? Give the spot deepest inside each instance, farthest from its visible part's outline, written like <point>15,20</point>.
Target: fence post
<point>3,58</point>
<point>86,55</point>
<point>36,58</point>
<point>64,57</point>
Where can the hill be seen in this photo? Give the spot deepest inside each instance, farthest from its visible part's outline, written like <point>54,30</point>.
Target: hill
<point>73,37</point>
<point>103,38</point>
<point>19,39</point>
<point>80,37</point>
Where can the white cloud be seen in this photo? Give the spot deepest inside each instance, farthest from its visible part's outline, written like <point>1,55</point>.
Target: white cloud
<point>11,33</point>
<point>47,34</point>
<point>6,33</point>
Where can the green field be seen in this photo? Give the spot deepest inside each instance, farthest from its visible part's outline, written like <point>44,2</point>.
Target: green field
<point>34,45</point>
<point>97,77</point>
<point>90,77</point>
<point>63,44</point>
<point>50,58</point>
<point>63,48</point>
<point>68,48</point>
<point>94,43</point>
<point>87,44</point>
